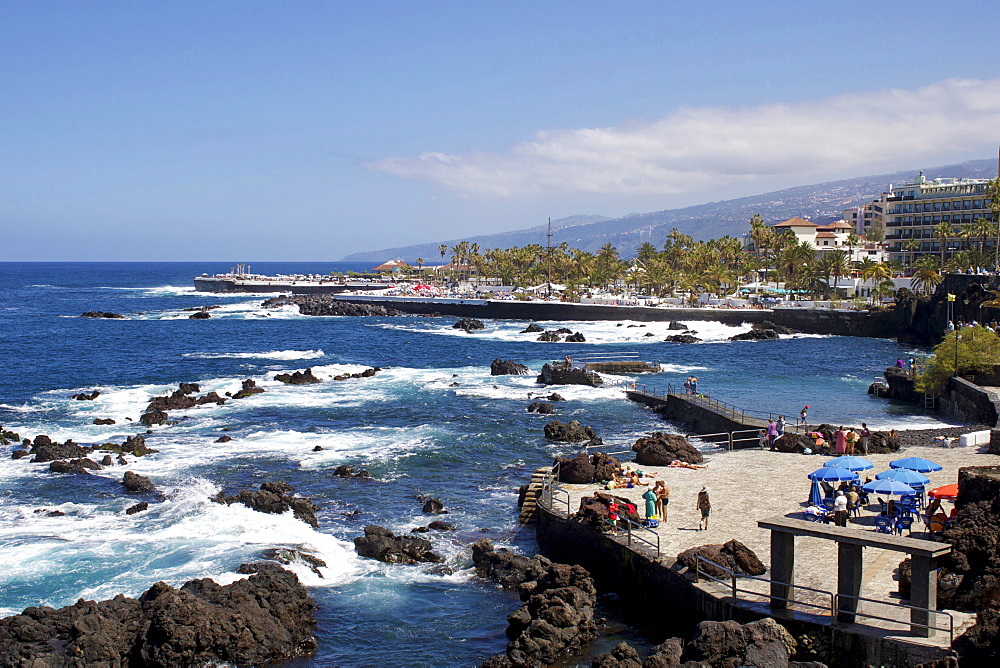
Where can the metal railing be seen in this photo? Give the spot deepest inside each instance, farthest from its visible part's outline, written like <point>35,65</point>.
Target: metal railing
<point>636,534</point>
<point>832,609</point>
<point>550,492</point>
<point>729,439</point>
<point>723,408</point>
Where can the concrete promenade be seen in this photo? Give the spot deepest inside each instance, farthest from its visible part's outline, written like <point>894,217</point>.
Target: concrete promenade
<point>750,485</point>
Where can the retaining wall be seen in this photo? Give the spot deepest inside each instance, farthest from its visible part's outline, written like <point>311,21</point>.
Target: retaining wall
<point>970,402</point>
<point>659,591</point>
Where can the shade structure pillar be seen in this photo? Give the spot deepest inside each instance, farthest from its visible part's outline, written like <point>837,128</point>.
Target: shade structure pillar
<point>850,568</point>
<point>923,593</point>
<point>782,568</point>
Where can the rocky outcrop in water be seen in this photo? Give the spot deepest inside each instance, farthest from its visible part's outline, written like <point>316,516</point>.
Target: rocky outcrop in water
<point>83,396</point>
<point>136,483</point>
<point>756,335</point>
<point>501,367</point>
<point>469,325</point>
<point>382,544</point>
<point>901,385</point>
<point>133,445</point>
<point>298,377</point>
<point>255,621</point>
<point>327,305</point>
<point>101,314</point>
<point>532,328</point>
<point>152,418</point>
<point>622,656</point>
<point>542,407</point>
<point>549,337</point>
<point>200,315</point>
<point>45,450</point>
<point>137,508</point>
<point>576,337</point>
<point>346,471</point>
<point>682,338</point>
<point>570,432</point>
<point>103,421</point>
<point>249,389</point>
<point>558,375</point>
<point>733,555</point>
<point>659,449</point>
<point>274,498</point>
<point>82,465</point>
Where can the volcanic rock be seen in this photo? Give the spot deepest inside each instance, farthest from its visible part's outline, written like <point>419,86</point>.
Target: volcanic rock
<point>532,328</point>
<point>469,325</point>
<point>767,324</point>
<point>733,555</point>
<point>107,461</point>
<point>382,544</point>
<point>576,338</point>
<point>575,470</point>
<point>104,421</point>
<point>101,314</point>
<point>756,335</point>
<point>153,418</point>
<point>665,655</point>
<point>134,482</point>
<point>902,386</point>
<point>439,525</point>
<point>44,450</point>
<point>660,449</point>
<point>677,325</point>
<point>224,439</point>
<point>570,432</point>
<point>249,388</point>
<point>287,555</point>
<point>433,506</point>
<point>298,378</point>
<point>200,315</point>
<point>505,568</point>
<point>564,330</point>
<point>764,642</point>
<point>555,396</point>
<point>325,305</point>
<point>789,442</point>
<point>74,466</point>
<point>605,466</point>
<point>682,338</point>
<point>549,337</point>
<point>259,620</point>
<point>345,471</point>
<point>622,656</point>
<point>133,445</point>
<point>83,396</point>
<point>273,498</point>
<point>137,508</point>
<point>540,407</point>
<point>501,367</point>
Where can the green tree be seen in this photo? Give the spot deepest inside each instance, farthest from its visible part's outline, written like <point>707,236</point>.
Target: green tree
<point>943,231</point>
<point>912,245</point>
<point>993,195</point>
<point>963,351</point>
<point>926,276</point>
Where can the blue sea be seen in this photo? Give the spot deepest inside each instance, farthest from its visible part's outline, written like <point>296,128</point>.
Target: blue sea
<point>432,422</point>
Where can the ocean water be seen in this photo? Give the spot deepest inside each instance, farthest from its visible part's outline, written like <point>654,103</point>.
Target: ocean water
<point>432,422</point>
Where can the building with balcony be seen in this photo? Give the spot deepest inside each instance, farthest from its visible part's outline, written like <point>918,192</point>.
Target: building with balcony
<point>913,210</point>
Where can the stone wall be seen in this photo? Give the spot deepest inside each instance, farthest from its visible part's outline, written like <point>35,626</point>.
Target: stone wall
<point>970,402</point>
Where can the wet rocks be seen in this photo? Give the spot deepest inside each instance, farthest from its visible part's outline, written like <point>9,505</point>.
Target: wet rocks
<point>133,445</point>
<point>576,470</point>
<point>764,642</point>
<point>733,555</point>
<point>298,378</point>
<point>382,544</point>
<point>501,367</point>
<point>249,389</point>
<point>44,450</point>
<point>469,325</point>
<point>137,508</point>
<point>200,315</point>
<point>136,483</point>
<point>287,555</point>
<point>190,388</point>
<point>103,421</point>
<point>622,656</point>
<point>81,465</point>
<point>660,449</point>
<point>549,337</point>
<point>902,386</point>
<point>570,432</point>
<point>101,314</point>
<point>255,621</point>
<point>345,471</point>
<point>504,567</point>
<point>321,305</point>
<point>201,308</point>
<point>107,461</point>
<point>532,328</point>
<point>559,375</point>
<point>224,439</point>
<point>542,407</point>
<point>682,338</point>
<point>367,373</point>
<point>576,338</point>
<point>674,325</point>
<point>756,335</point>
<point>433,506</point>
<point>273,498</point>
<point>83,396</point>
<point>152,418</point>
<point>7,437</point>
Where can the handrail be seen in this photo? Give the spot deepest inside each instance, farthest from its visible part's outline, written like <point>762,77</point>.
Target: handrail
<point>628,530</point>
<point>931,611</point>
<point>730,441</point>
<point>724,408</point>
<point>834,606</point>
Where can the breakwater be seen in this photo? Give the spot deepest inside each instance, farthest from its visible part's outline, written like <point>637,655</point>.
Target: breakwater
<point>877,324</point>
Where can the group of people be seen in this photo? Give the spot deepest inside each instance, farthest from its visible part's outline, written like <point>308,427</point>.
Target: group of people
<point>691,385</point>
<point>849,442</point>
<point>656,497</point>
<point>775,430</point>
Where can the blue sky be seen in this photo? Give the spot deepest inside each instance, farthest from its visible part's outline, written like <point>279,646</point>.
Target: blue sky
<point>310,130</point>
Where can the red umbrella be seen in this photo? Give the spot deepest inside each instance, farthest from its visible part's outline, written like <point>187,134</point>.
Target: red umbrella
<point>948,492</point>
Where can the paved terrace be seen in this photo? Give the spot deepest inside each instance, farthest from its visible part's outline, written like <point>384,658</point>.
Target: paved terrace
<point>750,485</point>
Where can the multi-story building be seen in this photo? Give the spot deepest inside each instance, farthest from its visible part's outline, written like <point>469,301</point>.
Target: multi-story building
<point>829,237</point>
<point>913,210</point>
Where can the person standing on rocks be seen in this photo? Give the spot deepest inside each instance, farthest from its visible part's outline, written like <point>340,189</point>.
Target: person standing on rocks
<point>705,506</point>
<point>840,446</point>
<point>804,413</point>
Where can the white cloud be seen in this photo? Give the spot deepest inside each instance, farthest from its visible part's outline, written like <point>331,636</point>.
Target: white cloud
<point>693,149</point>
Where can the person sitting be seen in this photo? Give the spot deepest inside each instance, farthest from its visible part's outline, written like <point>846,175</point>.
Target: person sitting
<point>891,510</point>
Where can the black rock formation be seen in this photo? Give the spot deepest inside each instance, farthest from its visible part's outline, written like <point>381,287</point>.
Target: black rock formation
<point>298,377</point>
<point>249,389</point>
<point>327,305</point>
<point>733,555</point>
<point>682,338</point>
<point>200,315</point>
<point>559,375</point>
<point>576,338</point>
<point>382,544</point>
<point>101,314</point>
<point>44,450</point>
<point>532,329</point>
<point>570,432</point>
<point>274,498</point>
<point>256,621</point>
<point>540,407</point>
<point>549,337</point>
<point>501,367</point>
<point>103,421</point>
<point>134,482</point>
<point>137,508</point>
<point>83,396</point>
<point>659,449</point>
<point>82,465</point>
<point>469,325</point>
<point>756,335</point>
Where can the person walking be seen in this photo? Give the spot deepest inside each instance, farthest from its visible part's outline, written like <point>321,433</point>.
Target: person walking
<point>705,506</point>
<point>863,441</point>
<point>804,413</point>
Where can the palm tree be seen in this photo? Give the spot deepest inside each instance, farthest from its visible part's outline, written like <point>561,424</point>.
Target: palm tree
<point>852,241</point>
<point>993,195</point>
<point>839,265</point>
<point>420,265</point>
<point>926,277</point>
<point>943,231</point>
<point>911,245</point>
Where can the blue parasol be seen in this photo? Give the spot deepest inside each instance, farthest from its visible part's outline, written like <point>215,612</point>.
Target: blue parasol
<point>851,463</point>
<point>832,474</point>
<point>889,487</point>
<point>815,495</point>
<point>911,478</point>
<point>916,464</point>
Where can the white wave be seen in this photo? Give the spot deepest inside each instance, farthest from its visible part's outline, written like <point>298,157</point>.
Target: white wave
<point>269,355</point>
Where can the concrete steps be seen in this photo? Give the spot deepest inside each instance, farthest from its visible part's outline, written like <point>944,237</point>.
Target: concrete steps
<point>530,505</point>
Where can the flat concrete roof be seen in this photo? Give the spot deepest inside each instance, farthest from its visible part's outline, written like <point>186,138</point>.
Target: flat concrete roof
<point>917,546</point>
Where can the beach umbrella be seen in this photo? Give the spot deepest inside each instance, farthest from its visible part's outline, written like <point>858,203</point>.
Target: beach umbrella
<point>947,493</point>
<point>889,487</point>
<point>832,474</point>
<point>916,464</point>
<point>911,478</point>
<point>851,463</point>
<point>815,495</point>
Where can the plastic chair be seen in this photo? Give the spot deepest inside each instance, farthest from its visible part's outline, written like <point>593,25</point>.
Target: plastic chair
<point>904,522</point>
<point>883,524</point>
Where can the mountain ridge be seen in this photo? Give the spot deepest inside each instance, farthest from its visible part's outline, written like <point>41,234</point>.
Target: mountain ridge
<point>822,202</point>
